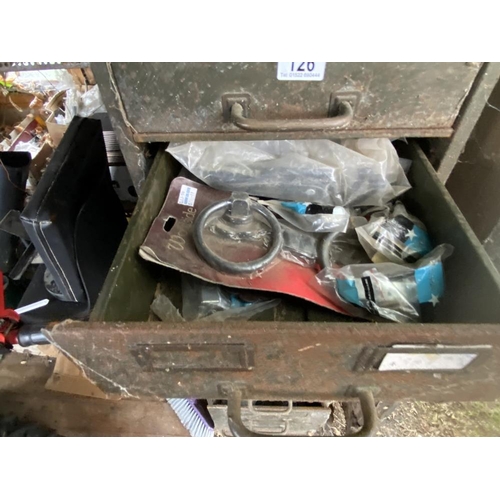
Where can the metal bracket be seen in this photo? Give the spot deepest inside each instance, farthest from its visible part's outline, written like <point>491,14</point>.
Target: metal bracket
<point>337,98</point>
<point>227,388</point>
<point>227,103</point>
<point>352,391</point>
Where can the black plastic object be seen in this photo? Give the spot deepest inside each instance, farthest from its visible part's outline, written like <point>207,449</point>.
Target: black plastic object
<point>75,219</point>
<point>13,175</point>
<point>55,310</point>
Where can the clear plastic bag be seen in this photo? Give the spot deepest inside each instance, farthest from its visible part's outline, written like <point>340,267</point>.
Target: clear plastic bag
<point>200,298</point>
<point>394,235</point>
<point>295,213</point>
<point>91,102</point>
<point>382,151</point>
<point>342,249</point>
<point>256,229</point>
<point>83,104</point>
<point>210,302</point>
<point>298,246</point>
<point>315,171</point>
<point>391,291</point>
<point>244,312</point>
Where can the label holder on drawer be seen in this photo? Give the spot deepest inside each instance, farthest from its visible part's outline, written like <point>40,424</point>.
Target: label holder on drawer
<point>421,358</point>
<point>194,357</point>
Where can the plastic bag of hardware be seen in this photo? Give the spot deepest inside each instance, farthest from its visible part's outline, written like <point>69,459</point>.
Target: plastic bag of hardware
<point>241,226</point>
<point>310,217</point>
<point>394,235</point>
<point>178,236</point>
<point>382,151</point>
<point>242,312</point>
<point>314,171</point>
<point>391,291</point>
<point>83,103</point>
<point>341,249</point>
<point>210,302</point>
<point>298,246</point>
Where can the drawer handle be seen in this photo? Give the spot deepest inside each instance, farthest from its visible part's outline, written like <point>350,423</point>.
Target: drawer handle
<point>344,117</point>
<point>238,428</point>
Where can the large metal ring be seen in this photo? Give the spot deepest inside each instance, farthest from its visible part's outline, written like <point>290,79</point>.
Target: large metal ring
<point>227,266</point>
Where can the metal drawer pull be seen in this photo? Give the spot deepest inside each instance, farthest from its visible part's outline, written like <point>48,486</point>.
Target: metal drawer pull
<point>317,124</point>
<point>238,428</point>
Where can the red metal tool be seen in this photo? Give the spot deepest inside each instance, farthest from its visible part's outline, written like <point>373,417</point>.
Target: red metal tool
<point>10,320</point>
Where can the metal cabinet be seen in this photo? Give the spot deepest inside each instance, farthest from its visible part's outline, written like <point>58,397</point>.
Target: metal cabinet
<point>454,356</point>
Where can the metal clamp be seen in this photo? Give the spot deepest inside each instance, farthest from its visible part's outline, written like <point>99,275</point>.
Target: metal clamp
<point>238,428</point>
<point>239,208</point>
<point>344,117</point>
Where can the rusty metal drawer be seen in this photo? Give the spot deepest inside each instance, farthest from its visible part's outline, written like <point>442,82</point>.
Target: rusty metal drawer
<point>313,355</point>
<point>199,101</point>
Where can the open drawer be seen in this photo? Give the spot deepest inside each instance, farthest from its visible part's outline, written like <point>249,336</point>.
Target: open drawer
<point>310,354</point>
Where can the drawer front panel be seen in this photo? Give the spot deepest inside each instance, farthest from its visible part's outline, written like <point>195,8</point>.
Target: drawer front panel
<point>192,101</point>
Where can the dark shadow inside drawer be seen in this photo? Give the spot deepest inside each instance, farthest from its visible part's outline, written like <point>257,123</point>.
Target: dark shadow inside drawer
<point>472,292</point>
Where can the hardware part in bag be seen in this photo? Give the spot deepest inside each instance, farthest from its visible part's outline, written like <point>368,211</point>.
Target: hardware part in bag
<point>315,171</point>
<point>301,216</point>
<point>13,176</point>
<point>391,291</point>
<point>298,246</point>
<point>170,243</point>
<point>394,235</point>
<point>210,302</point>
<point>240,222</point>
<point>200,298</point>
<point>341,249</point>
<point>74,219</point>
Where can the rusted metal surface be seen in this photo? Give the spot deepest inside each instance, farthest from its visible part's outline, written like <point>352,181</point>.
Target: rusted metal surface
<point>130,285</point>
<point>284,418</point>
<point>476,177</point>
<point>184,101</point>
<point>472,281</point>
<point>241,120</point>
<point>298,361</point>
<point>133,154</point>
<point>394,133</point>
<point>448,151</point>
<point>239,429</point>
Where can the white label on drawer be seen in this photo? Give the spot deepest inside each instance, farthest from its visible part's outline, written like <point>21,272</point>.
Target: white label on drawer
<point>307,71</point>
<point>403,361</point>
<point>187,195</point>
<point>421,361</point>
